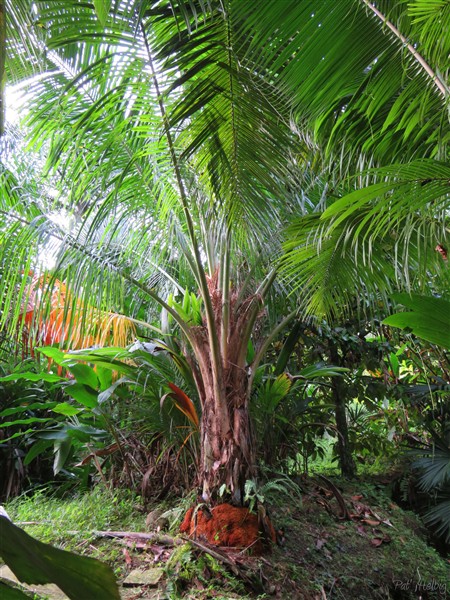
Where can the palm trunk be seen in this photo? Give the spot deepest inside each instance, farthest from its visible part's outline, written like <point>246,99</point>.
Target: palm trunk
<point>228,450</point>
<point>228,457</point>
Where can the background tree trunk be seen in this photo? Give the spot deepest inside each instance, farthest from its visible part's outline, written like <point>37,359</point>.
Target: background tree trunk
<point>346,462</point>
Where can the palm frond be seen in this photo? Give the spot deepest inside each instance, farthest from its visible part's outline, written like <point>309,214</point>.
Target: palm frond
<point>24,47</point>
<point>433,464</point>
<point>438,517</point>
<point>213,95</point>
<point>375,96</point>
<point>381,236</point>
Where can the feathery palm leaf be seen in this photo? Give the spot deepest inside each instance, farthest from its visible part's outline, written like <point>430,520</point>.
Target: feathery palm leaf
<point>376,95</point>
<point>373,236</point>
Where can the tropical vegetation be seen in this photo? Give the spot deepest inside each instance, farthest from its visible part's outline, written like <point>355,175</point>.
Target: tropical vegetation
<point>224,235</point>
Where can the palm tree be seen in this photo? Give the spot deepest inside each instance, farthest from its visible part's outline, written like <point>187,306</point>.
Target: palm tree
<point>183,136</point>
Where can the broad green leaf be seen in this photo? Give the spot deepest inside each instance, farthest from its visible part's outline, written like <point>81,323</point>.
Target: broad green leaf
<point>62,450</point>
<point>38,448</point>
<point>24,421</point>
<point>49,377</point>
<point>64,408</point>
<point>82,432</point>
<point>106,361</point>
<point>10,593</point>
<point>26,407</point>
<point>86,354</point>
<point>54,353</point>
<point>102,8</point>
<point>104,377</point>
<point>394,364</point>
<point>83,374</point>
<point>18,434</point>
<point>82,394</point>
<point>429,318</point>
<point>438,307</point>
<point>423,326</point>
<point>34,562</point>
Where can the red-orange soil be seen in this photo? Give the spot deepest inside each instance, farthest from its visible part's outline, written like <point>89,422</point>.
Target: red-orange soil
<point>226,525</point>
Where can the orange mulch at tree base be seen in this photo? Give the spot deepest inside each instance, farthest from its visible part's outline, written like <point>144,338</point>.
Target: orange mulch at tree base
<point>226,525</point>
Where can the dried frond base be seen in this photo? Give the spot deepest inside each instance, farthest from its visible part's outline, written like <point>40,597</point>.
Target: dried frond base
<point>228,526</point>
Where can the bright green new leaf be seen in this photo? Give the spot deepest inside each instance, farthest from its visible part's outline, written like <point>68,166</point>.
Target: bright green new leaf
<point>280,387</point>
<point>106,360</point>
<point>54,353</point>
<point>104,377</point>
<point>84,374</point>
<point>64,408</point>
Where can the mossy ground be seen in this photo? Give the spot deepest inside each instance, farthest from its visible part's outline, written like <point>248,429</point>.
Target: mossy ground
<point>380,552</point>
<point>377,553</point>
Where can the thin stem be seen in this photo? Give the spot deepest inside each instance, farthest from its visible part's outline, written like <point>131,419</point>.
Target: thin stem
<point>201,275</point>
<point>2,63</point>
<point>266,284</point>
<point>269,339</point>
<point>225,288</point>
<point>418,57</point>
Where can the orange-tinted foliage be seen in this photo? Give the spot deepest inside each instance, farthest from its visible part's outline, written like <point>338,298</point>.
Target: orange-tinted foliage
<point>69,321</point>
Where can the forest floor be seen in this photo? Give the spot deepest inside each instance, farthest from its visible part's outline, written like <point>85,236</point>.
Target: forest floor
<point>341,541</point>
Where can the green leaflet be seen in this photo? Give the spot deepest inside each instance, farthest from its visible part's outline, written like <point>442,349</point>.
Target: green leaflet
<point>64,408</point>
<point>102,8</point>
<point>83,374</point>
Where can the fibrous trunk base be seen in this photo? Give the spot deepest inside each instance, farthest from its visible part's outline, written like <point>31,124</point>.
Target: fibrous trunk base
<point>227,525</point>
